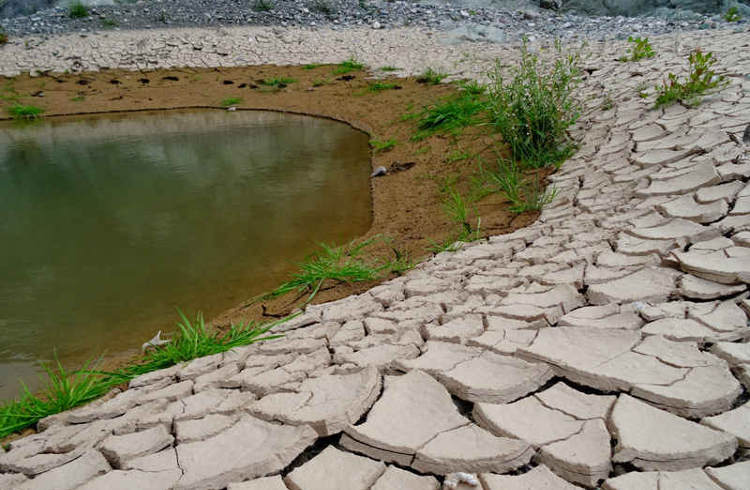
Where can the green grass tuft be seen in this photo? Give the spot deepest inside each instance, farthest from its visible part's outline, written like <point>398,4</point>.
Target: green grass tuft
<point>700,80</point>
<point>431,77</point>
<point>230,101</point>
<point>77,10</point>
<point>533,110</point>
<point>278,82</point>
<point>343,264</point>
<point>348,66</point>
<point>263,5</point>
<point>382,146</point>
<point>388,68</point>
<point>451,114</point>
<point>381,86</point>
<point>311,66</point>
<point>524,194</point>
<point>24,112</point>
<point>68,389</point>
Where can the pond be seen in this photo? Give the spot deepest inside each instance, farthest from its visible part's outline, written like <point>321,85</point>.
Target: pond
<point>109,223</point>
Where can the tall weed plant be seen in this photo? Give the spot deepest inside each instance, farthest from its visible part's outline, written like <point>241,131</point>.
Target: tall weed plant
<point>533,108</point>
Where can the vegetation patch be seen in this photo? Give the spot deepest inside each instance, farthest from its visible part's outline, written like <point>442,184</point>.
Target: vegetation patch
<point>77,10</point>
<point>533,110</point>
<point>431,77</point>
<point>311,66</point>
<point>278,82</point>
<point>230,101</point>
<point>380,146</point>
<point>348,66</point>
<point>380,86</point>
<point>451,114</point>
<point>343,264</point>
<point>639,49</point>
<point>701,79</point>
<point>732,14</point>
<point>25,112</point>
<point>3,36</point>
<point>68,389</point>
<point>263,5</point>
<point>525,192</point>
<point>388,68</point>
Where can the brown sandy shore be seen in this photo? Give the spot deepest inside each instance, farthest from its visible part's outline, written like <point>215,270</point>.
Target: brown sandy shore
<point>407,203</point>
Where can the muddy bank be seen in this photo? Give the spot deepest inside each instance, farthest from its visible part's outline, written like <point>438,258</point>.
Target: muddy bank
<point>407,202</point>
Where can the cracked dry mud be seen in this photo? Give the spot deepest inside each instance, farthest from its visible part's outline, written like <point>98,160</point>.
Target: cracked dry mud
<point>606,345</point>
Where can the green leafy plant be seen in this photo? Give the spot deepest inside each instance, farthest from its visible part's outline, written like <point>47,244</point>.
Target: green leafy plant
<point>732,14</point>
<point>230,101</point>
<point>459,210</point>
<point>431,77</point>
<point>640,49</point>
<point>263,5</point>
<point>78,98</point>
<point>472,87</point>
<point>337,265</point>
<point>701,79</point>
<point>523,193</point>
<point>311,66</point>
<point>388,68</point>
<point>77,10</point>
<point>24,112</point>
<point>382,146</point>
<point>533,110</point>
<point>348,66</point>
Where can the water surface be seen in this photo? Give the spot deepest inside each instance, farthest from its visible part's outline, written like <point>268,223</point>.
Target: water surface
<point>109,223</point>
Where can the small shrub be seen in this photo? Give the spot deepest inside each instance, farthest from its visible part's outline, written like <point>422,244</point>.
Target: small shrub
<point>322,6</point>
<point>230,101</point>
<point>77,10</point>
<point>382,146</point>
<point>27,112</point>
<point>534,109</point>
<point>431,77</point>
<point>701,79</point>
<point>641,49</point>
<point>732,14</point>
<point>472,87</point>
<point>347,66</point>
<point>263,5</point>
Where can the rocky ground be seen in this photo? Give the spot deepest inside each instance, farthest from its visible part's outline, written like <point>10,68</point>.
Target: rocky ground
<point>467,21</point>
<point>606,345</point>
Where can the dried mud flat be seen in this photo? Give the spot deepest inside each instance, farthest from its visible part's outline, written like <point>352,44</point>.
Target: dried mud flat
<point>604,345</point>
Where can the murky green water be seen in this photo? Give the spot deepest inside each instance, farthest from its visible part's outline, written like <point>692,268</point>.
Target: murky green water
<point>109,223</point>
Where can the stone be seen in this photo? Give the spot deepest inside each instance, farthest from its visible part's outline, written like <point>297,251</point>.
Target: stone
<point>583,457</point>
<point>11,481</point>
<point>471,449</point>
<point>732,477</point>
<point>538,478</point>
<point>267,483</point>
<point>653,439</point>
<point>715,266</point>
<point>327,403</point>
<point>333,469</point>
<point>701,175</point>
<point>694,479</point>
<point>413,409</point>
<point>527,419</point>
<point>131,479</point>
<point>495,378</point>
<point>649,284</point>
<point>686,207</point>
<point>580,405</point>
<point>696,288</point>
<point>456,330</point>
<point>249,449</point>
<point>732,352</point>
<point>381,356</point>
<point>397,479</point>
<point>71,475</point>
<point>725,192</point>
<point>735,422</point>
<point>203,428</point>
<point>118,449</point>
<point>676,228</point>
